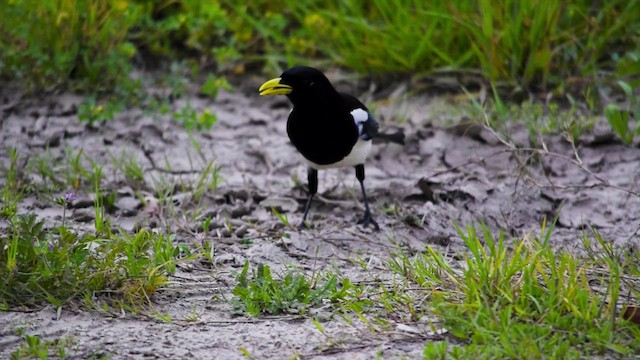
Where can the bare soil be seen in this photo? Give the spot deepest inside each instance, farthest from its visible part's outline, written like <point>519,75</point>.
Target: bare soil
<point>461,174</point>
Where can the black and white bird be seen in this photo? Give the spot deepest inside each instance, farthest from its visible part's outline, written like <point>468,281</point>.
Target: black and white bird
<point>330,129</point>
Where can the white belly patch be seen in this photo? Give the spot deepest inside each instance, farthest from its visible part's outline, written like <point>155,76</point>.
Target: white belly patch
<point>357,156</point>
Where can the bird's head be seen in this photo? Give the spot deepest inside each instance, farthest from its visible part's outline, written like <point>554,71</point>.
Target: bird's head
<point>299,83</point>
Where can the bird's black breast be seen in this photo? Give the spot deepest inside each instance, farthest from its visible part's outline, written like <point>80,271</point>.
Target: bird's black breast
<point>322,134</point>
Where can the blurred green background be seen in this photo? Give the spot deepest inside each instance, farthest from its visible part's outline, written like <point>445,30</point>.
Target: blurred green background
<point>92,45</point>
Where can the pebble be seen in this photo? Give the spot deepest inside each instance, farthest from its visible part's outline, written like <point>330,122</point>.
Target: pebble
<point>126,191</point>
<point>241,194</point>
<point>242,231</point>
<point>257,117</point>
<point>128,225</point>
<point>68,104</point>
<point>240,211</point>
<point>84,215</point>
<point>108,139</point>
<point>81,203</point>
<point>224,232</point>
<point>281,204</point>
<point>128,205</point>
<point>210,213</point>
<point>55,139</point>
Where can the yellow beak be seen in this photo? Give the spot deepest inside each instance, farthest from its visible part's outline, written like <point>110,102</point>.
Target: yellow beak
<point>274,87</point>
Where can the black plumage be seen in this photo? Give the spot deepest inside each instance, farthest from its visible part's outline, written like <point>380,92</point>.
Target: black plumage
<point>330,129</point>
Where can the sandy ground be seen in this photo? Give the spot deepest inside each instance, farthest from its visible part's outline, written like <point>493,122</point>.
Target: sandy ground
<point>462,174</point>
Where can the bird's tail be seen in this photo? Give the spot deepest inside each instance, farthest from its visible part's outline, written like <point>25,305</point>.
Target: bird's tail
<point>397,137</point>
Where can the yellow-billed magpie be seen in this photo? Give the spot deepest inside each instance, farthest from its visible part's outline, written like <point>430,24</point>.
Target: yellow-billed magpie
<point>330,129</point>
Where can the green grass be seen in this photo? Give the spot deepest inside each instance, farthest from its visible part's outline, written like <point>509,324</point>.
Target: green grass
<point>83,40</point>
<point>12,190</point>
<point>526,299</point>
<point>58,264</point>
<point>571,52</point>
<point>290,293</point>
<point>499,298</point>
<point>526,43</point>
<point>533,43</point>
<point>572,120</point>
<point>34,347</point>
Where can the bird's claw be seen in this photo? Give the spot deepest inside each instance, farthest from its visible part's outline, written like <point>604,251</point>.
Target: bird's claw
<point>368,220</point>
<point>304,225</point>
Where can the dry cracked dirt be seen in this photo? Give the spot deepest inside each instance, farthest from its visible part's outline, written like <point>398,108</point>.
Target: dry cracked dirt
<point>444,174</point>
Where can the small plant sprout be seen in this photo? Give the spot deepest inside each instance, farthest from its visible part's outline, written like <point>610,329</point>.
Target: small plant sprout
<point>192,120</point>
<point>201,238</point>
<point>161,316</point>
<point>65,201</point>
<point>206,223</point>
<point>206,247</point>
<point>283,218</point>
<point>193,316</point>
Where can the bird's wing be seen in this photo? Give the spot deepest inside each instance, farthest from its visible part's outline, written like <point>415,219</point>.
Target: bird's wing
<point>367,125</point>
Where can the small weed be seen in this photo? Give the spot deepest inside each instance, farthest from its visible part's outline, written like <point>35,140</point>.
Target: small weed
<point>538,118</point>
<point>163,317</point>
<point>207,248</point>
<point>44,165</point>
<point>436,350</point>
<point>101,222</point>
<point>192,120</point>
<point>293,293</point>
<point>208,180</point>
<point>619,117</point>
<point>129,166</point>
<point>283,218</point>
<point>77,174</point>
<point>65,202</point>
<point>619,121</point>
<point>12,191</point>
<point>245,352</point>
<point>213,84</point>
<point>58,265</point>
<point>34,347</point>
<point>193,316</point>
<point>206,225</point>
<point>92,112</point>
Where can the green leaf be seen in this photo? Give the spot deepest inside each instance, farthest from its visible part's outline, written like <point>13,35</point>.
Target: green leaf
<point>628,90</point>
<point>619,121</point>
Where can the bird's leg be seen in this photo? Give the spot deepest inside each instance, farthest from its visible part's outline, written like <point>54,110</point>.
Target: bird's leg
<point>367,219</point>
<point>312,179</point>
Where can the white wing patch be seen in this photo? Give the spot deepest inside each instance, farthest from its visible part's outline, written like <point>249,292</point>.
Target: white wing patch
<point>359,117</point>
<point>360,149</point>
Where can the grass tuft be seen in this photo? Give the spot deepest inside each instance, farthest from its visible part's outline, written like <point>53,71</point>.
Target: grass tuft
<point>524,300</point>
<point>59,265</point>
<point>293,293</point>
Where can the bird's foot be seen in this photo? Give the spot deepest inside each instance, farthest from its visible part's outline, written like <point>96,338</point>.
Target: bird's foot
<point>304,225</point>
<point>368,220</point>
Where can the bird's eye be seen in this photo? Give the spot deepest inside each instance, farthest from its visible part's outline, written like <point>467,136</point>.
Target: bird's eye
<point>311,83</point>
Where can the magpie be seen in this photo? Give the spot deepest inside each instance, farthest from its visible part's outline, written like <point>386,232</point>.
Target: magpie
<point>330,129</point>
